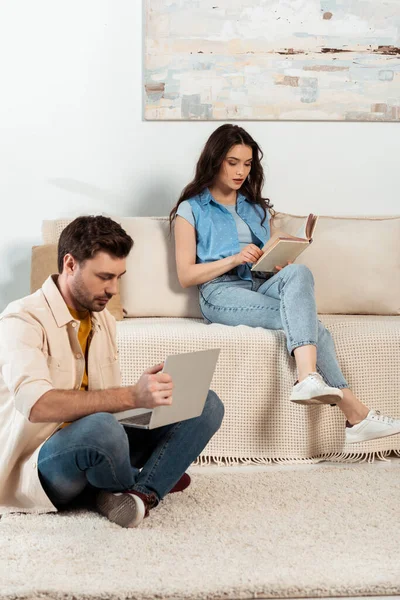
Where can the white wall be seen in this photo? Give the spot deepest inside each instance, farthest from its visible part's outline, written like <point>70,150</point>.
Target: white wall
<point>73,141</point>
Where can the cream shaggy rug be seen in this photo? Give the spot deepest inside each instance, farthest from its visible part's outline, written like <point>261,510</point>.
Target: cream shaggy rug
<point>310,531</point>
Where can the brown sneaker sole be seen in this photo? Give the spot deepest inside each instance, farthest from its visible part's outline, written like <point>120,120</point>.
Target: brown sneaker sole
<point>126,510</point>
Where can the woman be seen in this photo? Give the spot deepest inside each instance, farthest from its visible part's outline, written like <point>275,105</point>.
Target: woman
<point>221,223</point>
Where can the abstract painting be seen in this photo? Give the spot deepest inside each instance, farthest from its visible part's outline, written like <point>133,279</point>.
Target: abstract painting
<point>272,60</point>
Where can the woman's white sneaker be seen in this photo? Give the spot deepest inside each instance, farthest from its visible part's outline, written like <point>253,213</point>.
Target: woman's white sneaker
<point>314,390</point>
<point>374,426</point>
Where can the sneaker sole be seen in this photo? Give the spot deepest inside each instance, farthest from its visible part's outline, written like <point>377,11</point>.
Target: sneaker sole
<point>123,509</point>
<point>369,439</point>
<point>317,400</point>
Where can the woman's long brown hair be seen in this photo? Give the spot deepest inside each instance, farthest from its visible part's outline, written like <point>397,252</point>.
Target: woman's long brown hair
<point>211,159</point>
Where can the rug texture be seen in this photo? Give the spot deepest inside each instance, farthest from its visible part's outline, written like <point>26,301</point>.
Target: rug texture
<point>310,531</point>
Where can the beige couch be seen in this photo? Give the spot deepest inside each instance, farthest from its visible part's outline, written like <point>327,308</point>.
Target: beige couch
<point>356,266</point>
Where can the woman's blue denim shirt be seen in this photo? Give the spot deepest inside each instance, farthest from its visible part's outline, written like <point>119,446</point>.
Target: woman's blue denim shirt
<point>216,232</point>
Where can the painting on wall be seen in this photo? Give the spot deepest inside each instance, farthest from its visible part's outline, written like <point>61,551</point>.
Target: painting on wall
<point>331,60</point>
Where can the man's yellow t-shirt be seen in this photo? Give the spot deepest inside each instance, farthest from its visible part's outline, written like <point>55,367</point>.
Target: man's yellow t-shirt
<point>84,341</point>
<point>83,338</point>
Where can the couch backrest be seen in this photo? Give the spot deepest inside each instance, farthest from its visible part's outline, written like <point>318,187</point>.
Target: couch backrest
<point>355,262</point>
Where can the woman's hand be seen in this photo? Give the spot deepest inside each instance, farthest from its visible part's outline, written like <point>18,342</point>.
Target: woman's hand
<point>280,268</point>
<point>249,254</point>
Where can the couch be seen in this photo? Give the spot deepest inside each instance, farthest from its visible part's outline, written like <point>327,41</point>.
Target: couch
<point>356,267</point>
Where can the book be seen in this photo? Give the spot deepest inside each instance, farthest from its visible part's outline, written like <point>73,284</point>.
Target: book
<point>283,247</point>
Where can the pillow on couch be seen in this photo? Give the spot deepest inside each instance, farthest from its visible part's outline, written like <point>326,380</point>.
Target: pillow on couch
<point>150,287</point>
<point>355,262</point>
<point>44,263</point>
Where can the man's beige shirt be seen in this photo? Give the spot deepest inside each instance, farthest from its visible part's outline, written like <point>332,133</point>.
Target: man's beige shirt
<point>40,351</point>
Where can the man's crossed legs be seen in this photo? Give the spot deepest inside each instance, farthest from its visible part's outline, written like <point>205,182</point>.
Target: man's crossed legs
<point>130,469</point>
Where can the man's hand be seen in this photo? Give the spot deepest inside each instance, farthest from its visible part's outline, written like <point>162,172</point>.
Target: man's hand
<point>250,254</point>
<point>280,268</point>
<point>153,388</point>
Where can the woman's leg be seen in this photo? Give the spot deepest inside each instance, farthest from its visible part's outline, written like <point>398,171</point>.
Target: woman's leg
<point>233,301</point>
<point>296,282</point>
<point>286,301</point>
<point>325,360</point>
<point>291,308</point>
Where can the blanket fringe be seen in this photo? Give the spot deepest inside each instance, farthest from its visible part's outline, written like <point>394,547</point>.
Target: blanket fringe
<point>342,457</point>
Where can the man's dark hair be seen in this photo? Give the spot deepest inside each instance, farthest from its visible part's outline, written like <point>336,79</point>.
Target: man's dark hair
<point>86,236</point>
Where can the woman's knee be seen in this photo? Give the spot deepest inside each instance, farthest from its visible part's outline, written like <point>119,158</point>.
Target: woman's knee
<point>300,271</point>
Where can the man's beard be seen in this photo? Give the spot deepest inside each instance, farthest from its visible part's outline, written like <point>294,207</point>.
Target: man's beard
<point>85,300</point>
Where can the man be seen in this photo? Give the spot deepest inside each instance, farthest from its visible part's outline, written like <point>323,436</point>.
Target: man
<point>60,384</point>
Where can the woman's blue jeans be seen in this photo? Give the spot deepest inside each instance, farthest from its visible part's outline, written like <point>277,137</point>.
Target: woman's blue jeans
<point>285,301</point>
<point>98,451</point>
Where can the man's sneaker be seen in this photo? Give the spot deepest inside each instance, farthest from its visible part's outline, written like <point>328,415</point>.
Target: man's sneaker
<point>182,484</point>
<point>314,390</point>
<point>374,426</point>
<point>126,509</point>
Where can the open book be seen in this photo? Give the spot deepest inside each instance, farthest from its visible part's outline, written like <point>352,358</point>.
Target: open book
<point>283,247</point>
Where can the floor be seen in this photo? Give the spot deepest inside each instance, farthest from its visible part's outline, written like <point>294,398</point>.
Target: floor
<point>393,462</point>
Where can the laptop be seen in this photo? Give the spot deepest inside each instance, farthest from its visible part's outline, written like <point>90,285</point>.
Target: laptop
<point>191,375</point>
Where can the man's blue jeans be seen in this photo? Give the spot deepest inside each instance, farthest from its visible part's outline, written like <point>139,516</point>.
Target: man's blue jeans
<point>285,301</point>
<point>98,451</point>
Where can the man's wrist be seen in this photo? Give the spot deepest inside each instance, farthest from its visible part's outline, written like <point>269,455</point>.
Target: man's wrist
<point>126,398</point>
<point>132,396</point>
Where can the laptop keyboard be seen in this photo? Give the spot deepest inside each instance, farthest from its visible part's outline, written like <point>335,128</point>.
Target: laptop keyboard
<point>143,419</point>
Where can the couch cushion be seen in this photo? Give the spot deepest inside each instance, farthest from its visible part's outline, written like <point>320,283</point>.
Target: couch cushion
<point>355,262</point>
<point>44,263</point>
